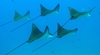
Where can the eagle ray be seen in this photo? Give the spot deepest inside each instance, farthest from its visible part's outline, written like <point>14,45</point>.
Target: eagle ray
<point>44,12</point>
<point>74,15</point>
<point>17,17</point>
<point>35,35</point>
<point>59,30</point>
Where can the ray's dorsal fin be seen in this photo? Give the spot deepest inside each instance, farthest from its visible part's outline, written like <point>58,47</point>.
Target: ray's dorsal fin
<point>35,34</point>
<point>62,31</point>
<point>17,16</point>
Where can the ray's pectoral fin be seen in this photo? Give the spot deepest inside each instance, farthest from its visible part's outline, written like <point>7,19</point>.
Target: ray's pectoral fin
<point>45,11</point>
<point>73,13</point>
<point>46,34</point>
<point>17,16</point>
<point>89,12</point>
<point>25,22</point>
<point>35,34</point>
<point>56,9</point>
<point>27,15</point>
<point>63,32</point>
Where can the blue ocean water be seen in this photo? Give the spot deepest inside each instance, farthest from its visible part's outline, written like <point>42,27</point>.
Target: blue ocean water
<point>86,41</point>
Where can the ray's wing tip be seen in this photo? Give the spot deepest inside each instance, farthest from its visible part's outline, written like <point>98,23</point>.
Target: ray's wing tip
<point>40,4</point>
<point>69,7</point>
<point>57,23</point>
<point>15,11</point>
<point>94,7</point>
<point>58,4</point>
<point>28,11</point>
<point>33,25</point>
<point>47,28</point>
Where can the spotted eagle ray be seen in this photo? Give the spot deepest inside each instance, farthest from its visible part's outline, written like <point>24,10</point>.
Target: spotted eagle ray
<point>64,32</point>
<point>74,14</point>
<point>44,12</point>
<point>60,33</point>
<point>18,17</point>
<point>36,34</point>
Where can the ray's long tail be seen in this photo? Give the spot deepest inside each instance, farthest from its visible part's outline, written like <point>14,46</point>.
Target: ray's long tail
<point>5,23</point>
<point>25,23</point>
<point>16,48</point>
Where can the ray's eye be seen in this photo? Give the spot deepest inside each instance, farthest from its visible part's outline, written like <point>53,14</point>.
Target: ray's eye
<point>72,17</point>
